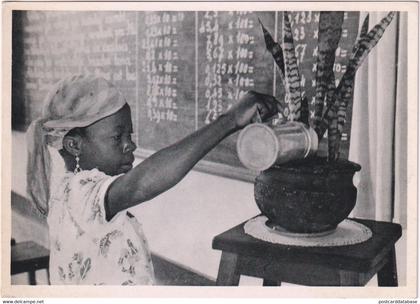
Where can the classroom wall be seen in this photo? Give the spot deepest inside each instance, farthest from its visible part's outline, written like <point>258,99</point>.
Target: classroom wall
<point>180,224</point>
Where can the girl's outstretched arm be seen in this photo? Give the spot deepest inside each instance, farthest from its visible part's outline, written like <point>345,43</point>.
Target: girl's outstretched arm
<point>167,167</point>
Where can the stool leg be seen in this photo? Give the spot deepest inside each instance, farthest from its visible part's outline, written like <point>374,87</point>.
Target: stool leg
<point>48,276</point>
<point>387,276</point>
<point>227,270</point>
<point>350,278</point>
<point>267,282</point>
<point>32,278</point>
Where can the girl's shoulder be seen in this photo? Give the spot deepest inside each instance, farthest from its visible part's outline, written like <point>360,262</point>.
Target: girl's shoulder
<point>84,177</point>
<point>81,189</point>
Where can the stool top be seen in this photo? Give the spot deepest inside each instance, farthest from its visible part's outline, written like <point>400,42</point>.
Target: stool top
<point>28,250</point>
<point>28,256</point>
<point>357,257</point>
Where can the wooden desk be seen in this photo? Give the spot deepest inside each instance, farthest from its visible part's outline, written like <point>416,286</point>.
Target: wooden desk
<point>350,265</point>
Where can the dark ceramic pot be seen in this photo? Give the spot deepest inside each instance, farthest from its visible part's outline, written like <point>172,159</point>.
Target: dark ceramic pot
<point>307,196</point>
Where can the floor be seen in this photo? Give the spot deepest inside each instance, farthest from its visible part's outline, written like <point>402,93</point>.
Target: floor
<point>170,274</point>
<point>166,272</point>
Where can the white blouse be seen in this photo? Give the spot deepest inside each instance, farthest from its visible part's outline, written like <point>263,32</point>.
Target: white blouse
<point>87,249</point>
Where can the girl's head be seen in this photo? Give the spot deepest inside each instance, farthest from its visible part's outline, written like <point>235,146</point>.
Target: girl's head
<point>83,116</point>
<point>105,144</point>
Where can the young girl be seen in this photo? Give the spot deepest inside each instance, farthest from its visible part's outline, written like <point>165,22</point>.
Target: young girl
<point>93,238</point>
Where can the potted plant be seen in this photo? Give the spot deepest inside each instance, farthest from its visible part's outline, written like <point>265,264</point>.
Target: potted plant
<point>315,194</point>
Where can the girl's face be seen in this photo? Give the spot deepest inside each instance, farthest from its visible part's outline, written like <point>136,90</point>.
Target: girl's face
<point>107,144</point>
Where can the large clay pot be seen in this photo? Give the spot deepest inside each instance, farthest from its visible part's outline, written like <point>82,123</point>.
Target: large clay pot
<point>307,196</point>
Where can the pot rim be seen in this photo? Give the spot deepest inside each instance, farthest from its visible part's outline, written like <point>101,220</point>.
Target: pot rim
<point>318,165</point>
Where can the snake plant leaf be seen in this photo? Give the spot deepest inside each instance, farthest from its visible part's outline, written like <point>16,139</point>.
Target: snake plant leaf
<point>274,48</point>
<point>363,33</point>
<point>332,136</point>
<point>364,29</point>
<point>329,99</point>
<point>346,97</point>
<point>304,111</point>
<point>365,44</point>
<point>276,51</point>
<point>368,42</point>
<point>329,34</point>
<point>334,144</point>
<point>336,117</point>
<point>336,128</point>
<point>332,122</point>
<point>291,70</point>
<point>329,116</point>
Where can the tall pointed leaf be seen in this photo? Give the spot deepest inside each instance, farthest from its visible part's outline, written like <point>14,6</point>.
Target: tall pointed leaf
<point>335,117</point>
<point>363,32</point>
<point>304,111</point>
<point>291,70</point>
<point>367,43</point>
<point>332,135</point>
<point>342,108</point>
<point>364,46</point>
<point>329,34</point>
<point>362,35</point>
<point>329,99</point>
<point>343,101</point>
<point>276,51</point>
<point>274,48</point>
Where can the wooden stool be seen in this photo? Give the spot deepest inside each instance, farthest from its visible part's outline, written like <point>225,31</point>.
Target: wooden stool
<point>29,257</point>
<point>350,265</point>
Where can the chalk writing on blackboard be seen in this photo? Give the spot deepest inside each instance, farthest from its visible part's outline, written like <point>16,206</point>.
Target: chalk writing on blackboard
<point>161,66</point>
<point>179,70</point>
<point>57,44</point>
<point>165,78</point>
<point>229,57</point>
<point>233,62</point>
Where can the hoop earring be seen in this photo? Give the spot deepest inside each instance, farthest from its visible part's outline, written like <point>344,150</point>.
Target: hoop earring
<point>77,169</point>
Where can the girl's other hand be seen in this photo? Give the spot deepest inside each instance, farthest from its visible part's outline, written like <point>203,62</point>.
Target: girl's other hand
<point>251,105</point>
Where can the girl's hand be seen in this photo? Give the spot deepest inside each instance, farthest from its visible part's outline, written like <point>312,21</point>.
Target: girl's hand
<point>253,106</point>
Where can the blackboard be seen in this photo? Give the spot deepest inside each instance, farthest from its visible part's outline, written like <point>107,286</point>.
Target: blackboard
<point>166,78</point>
<point>179,70</point>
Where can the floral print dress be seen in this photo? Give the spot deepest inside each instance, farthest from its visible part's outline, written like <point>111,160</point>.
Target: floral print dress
<point>85,248</point>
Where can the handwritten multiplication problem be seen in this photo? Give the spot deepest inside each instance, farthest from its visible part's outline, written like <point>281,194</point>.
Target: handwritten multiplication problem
<point>166,77</point>
<point>160,64</point>
<point>231,59</point>
<point>227,51</point>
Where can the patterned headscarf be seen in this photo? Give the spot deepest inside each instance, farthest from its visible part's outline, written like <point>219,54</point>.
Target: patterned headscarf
<point>76,101</point>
